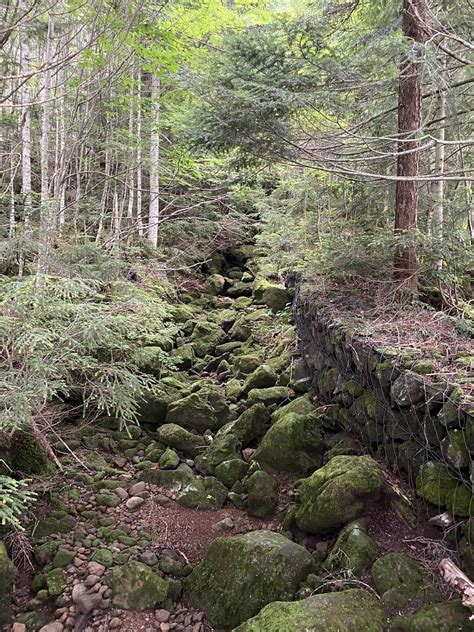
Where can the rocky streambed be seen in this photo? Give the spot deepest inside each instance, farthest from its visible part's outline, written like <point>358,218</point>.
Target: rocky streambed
<point>239,503</point>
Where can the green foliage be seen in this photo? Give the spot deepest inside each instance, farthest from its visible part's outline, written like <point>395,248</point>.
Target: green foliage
<point>65,339</point>
<point>15,499</point>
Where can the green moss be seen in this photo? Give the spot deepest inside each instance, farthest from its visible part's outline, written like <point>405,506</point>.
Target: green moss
<point>399,572</point>
<point>54,522</point>
<point>268,396</point>
<point>103,556</point>
<point>353,551</point>
<point>373,407</point>
<point>169,460</point>
<point>136,587</point>
<point>107,500</point>
<point>348,611</point>
<point>263,377</point>
<point>450,616</point>
<point>337,493</point>
<point>353,388</point>
<point>223,448</point>
<point>241,574</point>
<point>200,411</point>
<point>55,582</point>
<point>435,485</point>
<point>63,558</point>
<point>27,456</point>
<point>231,471</point>
<point>8,575</point>
<point>181,439</point>
<point>424,367</point>
<point>250,425</point>
<point>262,494</point>
<point>292,444</point>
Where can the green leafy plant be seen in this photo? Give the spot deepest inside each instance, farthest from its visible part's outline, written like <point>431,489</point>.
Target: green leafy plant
<point>15,499</point>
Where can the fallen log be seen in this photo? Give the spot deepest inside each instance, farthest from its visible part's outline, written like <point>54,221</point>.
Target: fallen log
<point>458,580</point>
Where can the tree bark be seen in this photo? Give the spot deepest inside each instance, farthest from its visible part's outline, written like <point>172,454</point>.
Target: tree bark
<point>154,210</point>
<point>139,156</point>
<point>409,122</point>
<point>438,185</point>
<point>25,125</point>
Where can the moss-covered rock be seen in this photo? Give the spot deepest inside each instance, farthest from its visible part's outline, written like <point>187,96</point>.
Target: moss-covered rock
<point>294,443</point>
<point>7,582</point>
<point>250,425</point>
<point>455,449</point>
<point>231,471</point>
<point>348,611</point>
<point>245,364</point>
<point>154,405</point>
<point>301,406</point>
<point>27,456</point>
<point>223,448</point>
<point>407,389</point>
<point>436,485</point>
<point>268,396</point>
<point>215,284</point>
<point>397,571</point>
<point>275,297</point>
<point>154,451</point>
<point>241,574</point>
<point>263,377</point>
<point>169,460</point>
<point>135,586</point>
<point>56,521</point>
<point>200,411</point>
<point>204,493</point>
<point>55,582</point>
<point>449,616</point>
<point>353,551</point>
<point>184,356</point>
<point>175,436</point>
<point>337,493</point>
<point>262,494</point>
<point>206,336</point>
<point>63,558</point>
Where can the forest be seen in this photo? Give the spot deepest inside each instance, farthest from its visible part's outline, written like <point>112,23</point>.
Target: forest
<point>236,316</point>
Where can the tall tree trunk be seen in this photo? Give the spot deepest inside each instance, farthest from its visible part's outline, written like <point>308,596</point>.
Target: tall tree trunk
<point>438,185</point>
<point>25,124</point>
<point>409,121</point>
<point>46,216</point>
<point>154,210</point>
<point>139,157</point>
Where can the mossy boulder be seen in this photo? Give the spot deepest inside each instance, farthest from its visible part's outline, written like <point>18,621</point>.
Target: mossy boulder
<point>56,521</point>
<point>55,582</point>
<point>268,396</point>
<point>337,493</point>
<point>149,359</point>
<point>215,284</point>
<point>449,616</point>
<point>184,357</point>
<point>204,493</point>
<point>241,574</point>
<point>407,389</point>
<point>245,364</point>
<point>354,550</point>
<point>348,611</point>
<point>436,485</point>
<point>63,558</point>
<point>455,449</point>
<point>8,575</point>
<point>173,481</point>
<point>294,443</point>
<point>175,436</point>
<point>301,406</point>
<point>27,456</point>
<point>398,572</point>
<point>250,425</point>
<point>262,494</point>
<point>206,337</point>
<point>276,297</point>
<point>154,405</point>
<point>263,377</point>
<point>169,460</point>
<point>223,448</point>
<point>135,586</point>
<point>200,411</point>
<point>231,471</point>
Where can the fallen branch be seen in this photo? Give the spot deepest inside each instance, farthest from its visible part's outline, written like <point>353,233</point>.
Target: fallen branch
<point>458,580</point>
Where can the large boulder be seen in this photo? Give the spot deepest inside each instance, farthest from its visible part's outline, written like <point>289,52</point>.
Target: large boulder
<point>449,616</point>
<point>437,486</point>
<point>353,551</point>
<point>135,586</point>
<point>301,406</point>
<point>206,337</point>
<point>269,396</point>
<point>348,611</point>
<point>181,439</point>
<point>337,493</point>
<point>262,494</point>
<point>294,443</point>
<point>190,490</point>
<point>201,411</point>
<point>263,377</point>
<point>275,297</point>
<point>223,448</point>
<point>229,472</point>
<point>249,426</point>
<point>7,581</point>
<point>399,572</point>
<point>241,574</point>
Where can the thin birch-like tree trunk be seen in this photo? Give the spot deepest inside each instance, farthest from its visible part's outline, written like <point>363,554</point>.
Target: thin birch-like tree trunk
<point>154,209</point>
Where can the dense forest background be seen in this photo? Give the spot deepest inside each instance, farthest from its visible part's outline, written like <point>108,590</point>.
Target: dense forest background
<point>141,138</point>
